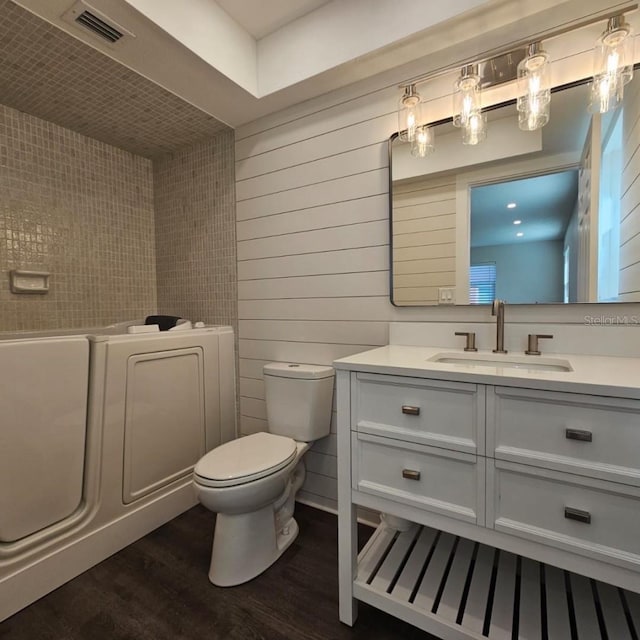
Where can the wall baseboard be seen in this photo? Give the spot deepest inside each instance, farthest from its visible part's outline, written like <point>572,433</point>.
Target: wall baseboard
<point>365,516</point>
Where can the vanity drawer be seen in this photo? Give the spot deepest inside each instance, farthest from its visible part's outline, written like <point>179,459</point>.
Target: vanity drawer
<point>595,518</point>
<point>594,436</point>
<point>429,412</point>
<point>430,478</point>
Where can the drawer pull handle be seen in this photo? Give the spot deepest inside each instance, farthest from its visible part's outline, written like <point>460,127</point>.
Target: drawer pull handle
<point>577,514</point>
<point>410,411</point>
<point>578,434</point>
<point>410,474</point>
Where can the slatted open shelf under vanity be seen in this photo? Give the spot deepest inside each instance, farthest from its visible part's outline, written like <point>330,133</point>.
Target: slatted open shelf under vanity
<point>461,589</point>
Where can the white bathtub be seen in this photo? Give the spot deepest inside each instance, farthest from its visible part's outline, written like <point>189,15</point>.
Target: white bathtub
<point>99,431</point>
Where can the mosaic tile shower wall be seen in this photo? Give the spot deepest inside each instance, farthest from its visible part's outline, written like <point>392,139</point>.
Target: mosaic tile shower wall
<point>195,232</point>
<point>82,210</point>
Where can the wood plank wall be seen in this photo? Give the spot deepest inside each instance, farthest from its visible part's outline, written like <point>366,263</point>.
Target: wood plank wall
<point>629,285</point>
<point>313,267</point>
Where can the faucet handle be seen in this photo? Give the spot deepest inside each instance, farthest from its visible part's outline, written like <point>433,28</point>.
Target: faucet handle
<point>471,340</point>
<point>533,349</point>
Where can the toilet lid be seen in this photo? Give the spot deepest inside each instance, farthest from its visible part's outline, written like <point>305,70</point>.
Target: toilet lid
<point>245,459</point>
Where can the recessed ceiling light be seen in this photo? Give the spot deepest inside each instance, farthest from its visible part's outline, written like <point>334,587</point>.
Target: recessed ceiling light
<point>519,234</point>
<point>512,205</point>
<point>517,222</point>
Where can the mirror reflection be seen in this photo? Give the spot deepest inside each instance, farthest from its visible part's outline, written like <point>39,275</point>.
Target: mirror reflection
<point>531,217</point>
<point>517,224</point>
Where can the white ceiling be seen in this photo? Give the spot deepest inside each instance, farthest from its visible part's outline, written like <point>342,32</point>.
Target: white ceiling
<point>262,17</point>
<point>333,34</point>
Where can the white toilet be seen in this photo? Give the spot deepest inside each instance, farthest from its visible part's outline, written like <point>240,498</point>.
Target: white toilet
<point>251,482</point>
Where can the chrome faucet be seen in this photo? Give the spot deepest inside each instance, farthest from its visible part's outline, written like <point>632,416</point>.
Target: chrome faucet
<point>497,309</point>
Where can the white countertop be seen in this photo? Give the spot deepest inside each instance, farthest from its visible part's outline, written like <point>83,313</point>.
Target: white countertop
<point>595,375</point>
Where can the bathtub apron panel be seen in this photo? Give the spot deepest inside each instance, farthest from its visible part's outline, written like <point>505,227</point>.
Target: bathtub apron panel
<point>43,412</point>
<point>164,419</point>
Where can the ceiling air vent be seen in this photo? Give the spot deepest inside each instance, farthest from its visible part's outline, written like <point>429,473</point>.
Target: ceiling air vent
<point>83,15</point>
<point>100,27</point>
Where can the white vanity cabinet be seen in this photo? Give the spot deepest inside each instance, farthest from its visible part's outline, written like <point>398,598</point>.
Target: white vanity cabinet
<point>523,505</point>
<point>417,441</point>
<point>448,415</point>
<point>593,436</point>
<point>430,478</point>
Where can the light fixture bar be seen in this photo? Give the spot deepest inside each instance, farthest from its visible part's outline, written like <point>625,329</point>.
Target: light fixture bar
<point>500,69</point>
<point>523,43</point>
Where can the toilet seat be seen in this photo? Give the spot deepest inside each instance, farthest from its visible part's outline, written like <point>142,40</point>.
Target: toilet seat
<point>244,460</point>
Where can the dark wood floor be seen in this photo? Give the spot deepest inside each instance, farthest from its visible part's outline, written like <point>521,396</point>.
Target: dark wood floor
<point>157,589</point>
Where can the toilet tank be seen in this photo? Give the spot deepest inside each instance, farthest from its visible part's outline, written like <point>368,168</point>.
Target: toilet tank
<point>299,399</point>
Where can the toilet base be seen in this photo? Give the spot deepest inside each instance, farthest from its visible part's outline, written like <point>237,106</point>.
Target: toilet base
<point>246,544</point>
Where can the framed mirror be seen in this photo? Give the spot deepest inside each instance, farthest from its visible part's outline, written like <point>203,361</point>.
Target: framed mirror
<point>532,217</point>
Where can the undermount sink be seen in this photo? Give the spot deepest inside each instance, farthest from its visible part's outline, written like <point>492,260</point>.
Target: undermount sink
<point>531,363</point>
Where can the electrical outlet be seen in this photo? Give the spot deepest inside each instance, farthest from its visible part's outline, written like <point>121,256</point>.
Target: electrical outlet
<point>446,295</point>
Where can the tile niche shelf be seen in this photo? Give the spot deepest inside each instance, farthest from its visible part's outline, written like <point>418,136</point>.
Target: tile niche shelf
<point>29,282</point>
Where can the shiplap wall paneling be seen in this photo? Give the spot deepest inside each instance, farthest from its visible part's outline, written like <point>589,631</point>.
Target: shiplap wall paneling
<point>309,264</point>
<point>360,210</point>
<point>424,230</point>
<point>324,170</point>
<point>374,308</point>
<point>338,333</point>
<point>629,285</point>
<point>313,244</point>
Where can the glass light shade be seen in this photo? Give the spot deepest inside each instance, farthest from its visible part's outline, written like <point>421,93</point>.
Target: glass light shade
<point>409,114</point>
<point>606,94</point>
<point>534,118</point>
<point>466,97</point>
<point>612,66</point>
<point>534,90</point>
<point>475,130</point>
<point>424,142</point>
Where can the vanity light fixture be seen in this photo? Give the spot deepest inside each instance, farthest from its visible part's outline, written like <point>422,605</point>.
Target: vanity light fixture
<point>424,142</point>
<point>612,65</point>
<point>409,114</point>
<point>529,64</point>
<point>467,106</point>
<point>534,89</point>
